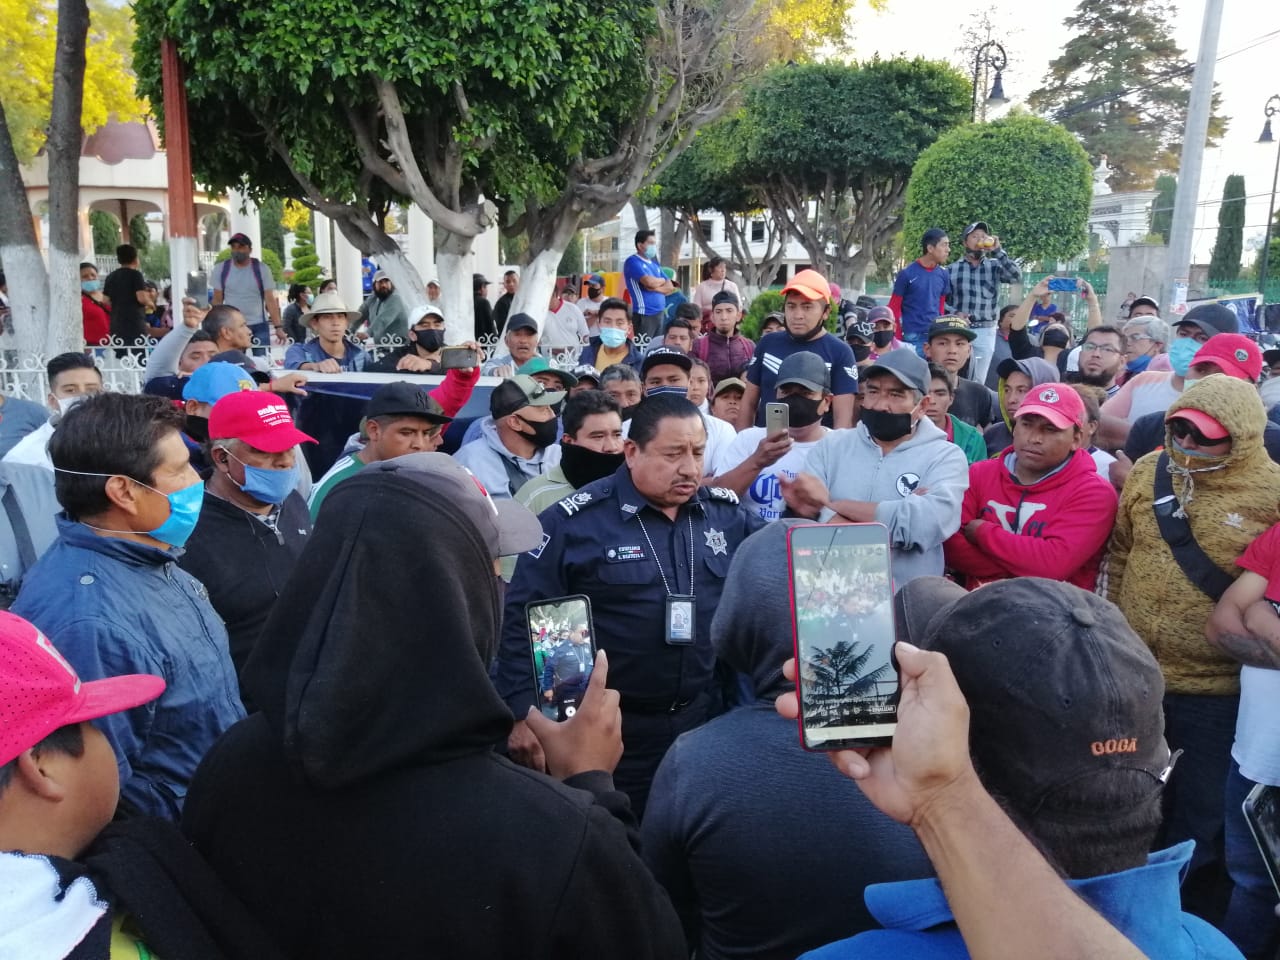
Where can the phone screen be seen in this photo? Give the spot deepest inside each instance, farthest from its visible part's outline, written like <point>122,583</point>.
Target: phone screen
<point>842,612</point>
<point>1062,284</point>
<point>1262,811</point>
<point>562,639</point>
<point>198,287</point>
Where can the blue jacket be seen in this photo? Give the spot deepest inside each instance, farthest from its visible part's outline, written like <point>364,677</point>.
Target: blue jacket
<point>1143,903</point>
<point>353,360</point>
<point>113,607</point>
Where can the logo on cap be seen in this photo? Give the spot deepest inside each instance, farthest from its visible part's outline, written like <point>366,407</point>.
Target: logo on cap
<point>43,643</point>
<point>1242,355</point>
<point>1049,396</point>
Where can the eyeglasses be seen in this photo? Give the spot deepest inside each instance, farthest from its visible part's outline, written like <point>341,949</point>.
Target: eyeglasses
<point>1181,429</point>
<point>1138,336</point>
<point>1098,348</point>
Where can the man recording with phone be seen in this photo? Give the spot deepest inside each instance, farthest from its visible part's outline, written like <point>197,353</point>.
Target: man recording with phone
<point>895,467</point>
<point>425,353</point>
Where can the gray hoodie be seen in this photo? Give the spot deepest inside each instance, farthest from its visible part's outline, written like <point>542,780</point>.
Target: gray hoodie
<point>853,467</point>
<point>489,460</point>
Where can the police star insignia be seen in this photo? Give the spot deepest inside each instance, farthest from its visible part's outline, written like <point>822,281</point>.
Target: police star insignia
<point>717,542</point>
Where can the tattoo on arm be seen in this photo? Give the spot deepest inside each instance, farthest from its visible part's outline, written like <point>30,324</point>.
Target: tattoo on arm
<point>1250,650</point>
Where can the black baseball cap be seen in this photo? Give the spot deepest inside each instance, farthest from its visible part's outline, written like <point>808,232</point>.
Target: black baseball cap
<point>725,296</point>
<point>805,369</point>
<point>666,355</point>
<point>1212,318</point>
<point>949,324</point>
<point>976,225</point>
<point>240,238</point>
<point>403,399</point>
<point>521,321</point>
<point>1062,693</point>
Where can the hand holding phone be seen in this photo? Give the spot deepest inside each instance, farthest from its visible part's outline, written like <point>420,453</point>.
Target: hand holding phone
<point>589,740</point>
<point>777,419</point>
<point>198,286</point>
<point>458,358</point>
<point>842,615</point>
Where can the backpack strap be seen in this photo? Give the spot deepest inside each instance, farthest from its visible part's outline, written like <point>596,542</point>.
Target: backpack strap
<point>257,275</point>
<point>1211,579</point>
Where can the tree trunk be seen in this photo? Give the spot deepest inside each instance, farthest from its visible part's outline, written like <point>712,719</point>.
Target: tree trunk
<point>670,239</point>
<point>65,330</point>
<point>549,235</point>
<point>641,214</point>
<point>455,263</point>
<point>23,266</point>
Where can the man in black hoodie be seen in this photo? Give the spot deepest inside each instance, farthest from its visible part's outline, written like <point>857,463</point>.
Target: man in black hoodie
<point>363,812</point>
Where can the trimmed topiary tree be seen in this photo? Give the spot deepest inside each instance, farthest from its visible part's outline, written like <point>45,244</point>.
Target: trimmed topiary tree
<point>1026,177</point>
<point>306,265</point>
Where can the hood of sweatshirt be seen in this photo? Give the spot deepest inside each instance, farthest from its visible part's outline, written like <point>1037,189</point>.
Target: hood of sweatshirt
<point>1236,405</point>
<point>1040,371</point>
<point>751,631</point>
<point>376,653</point>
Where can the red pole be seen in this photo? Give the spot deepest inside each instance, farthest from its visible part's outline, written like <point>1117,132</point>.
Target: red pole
<point>177,144</point>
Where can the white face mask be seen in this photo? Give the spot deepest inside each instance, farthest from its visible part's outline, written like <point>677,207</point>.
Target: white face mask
<point>66,403</point>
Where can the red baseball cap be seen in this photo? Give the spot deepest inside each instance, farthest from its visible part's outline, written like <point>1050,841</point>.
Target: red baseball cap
<point>259,419</point>
<point>40,691</point>
<point>1234,353</point>
<point>810,284</point>
<point>1057,403</point>
<point>1210,427</point>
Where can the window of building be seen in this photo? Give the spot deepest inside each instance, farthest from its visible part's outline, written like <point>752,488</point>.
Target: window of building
<point>757,231</point>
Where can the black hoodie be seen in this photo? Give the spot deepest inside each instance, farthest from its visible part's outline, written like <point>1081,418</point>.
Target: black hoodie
<point>363,812</point>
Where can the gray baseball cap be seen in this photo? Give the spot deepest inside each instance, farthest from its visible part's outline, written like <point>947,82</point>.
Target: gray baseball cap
<point>903,364</point>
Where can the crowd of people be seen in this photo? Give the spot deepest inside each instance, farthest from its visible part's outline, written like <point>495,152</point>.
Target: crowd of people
<point>245,711</point>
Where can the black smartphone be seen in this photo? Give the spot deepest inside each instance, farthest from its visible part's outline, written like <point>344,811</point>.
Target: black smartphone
<point>198,287</point>
<point>562,640</point>
<point>1262,811</point>
<point>458,358</point>
<point>842,618</point>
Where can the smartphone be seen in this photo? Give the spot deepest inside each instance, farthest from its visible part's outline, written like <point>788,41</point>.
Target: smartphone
<point>1063,285</point>
<point>562,640</point>
<point>458,358</point>
<point>777,418</point>
<point>1262,811</point>
<point>198,286</point>
<point>842,619</point>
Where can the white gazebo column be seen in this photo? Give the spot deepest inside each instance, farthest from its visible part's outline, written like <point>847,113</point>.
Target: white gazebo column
<point>324,249</point>
<point>86,235</point>
<point>243,216</point>
<point>422,244</point>
<point>346,260</point>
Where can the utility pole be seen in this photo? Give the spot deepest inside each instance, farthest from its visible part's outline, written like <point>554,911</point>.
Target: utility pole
<point>177,147</point>
<point>1199,106</point>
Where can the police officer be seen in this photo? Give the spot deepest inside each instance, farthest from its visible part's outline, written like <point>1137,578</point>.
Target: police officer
<point>650,548</point>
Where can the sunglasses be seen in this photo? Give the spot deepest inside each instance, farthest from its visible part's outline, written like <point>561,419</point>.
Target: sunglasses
<point>1181,429</point>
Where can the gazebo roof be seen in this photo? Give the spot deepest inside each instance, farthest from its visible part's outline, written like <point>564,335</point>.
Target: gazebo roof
<point>116,142</point>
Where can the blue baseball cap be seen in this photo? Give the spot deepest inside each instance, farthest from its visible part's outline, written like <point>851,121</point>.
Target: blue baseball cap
<point>213,381</point>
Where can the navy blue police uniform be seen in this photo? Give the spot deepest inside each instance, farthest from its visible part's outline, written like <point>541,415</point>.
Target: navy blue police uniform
<point>608,542</point>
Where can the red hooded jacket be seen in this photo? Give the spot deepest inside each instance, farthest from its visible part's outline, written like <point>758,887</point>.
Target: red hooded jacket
<point>1056,528</point>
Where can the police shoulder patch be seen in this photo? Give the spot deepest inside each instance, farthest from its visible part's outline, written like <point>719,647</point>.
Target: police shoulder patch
<point>575,502</point>
<point>722,493</point>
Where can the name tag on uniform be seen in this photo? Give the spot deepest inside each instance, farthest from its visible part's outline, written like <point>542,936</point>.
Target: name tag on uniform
<point>680,620</point>
<point>624,553</point>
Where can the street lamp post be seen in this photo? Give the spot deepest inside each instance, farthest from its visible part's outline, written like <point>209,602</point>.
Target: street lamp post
<point>993,55</point>
<point>1271,109</point>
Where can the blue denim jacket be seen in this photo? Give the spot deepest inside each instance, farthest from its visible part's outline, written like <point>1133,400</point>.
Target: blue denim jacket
<point>1142,903</point>
<point>113,607</point>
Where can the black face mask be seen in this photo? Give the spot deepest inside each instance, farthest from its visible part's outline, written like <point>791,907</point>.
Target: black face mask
<point>628,412</point>
<point>582,466</point>
<point>593,292</point>
<point>430,340</point>
<point>802,410</point>
<point>544,432</point>
<point>860,351</point>
<point>886,426</point>
<point>882,338</point>
<point>198,428</point>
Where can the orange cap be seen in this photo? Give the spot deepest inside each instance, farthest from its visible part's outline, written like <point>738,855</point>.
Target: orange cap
<point>810,284</point>
<point>1209,426</point>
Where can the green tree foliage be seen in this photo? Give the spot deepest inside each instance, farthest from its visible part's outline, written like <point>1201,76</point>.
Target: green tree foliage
<point>1225,263</point>
<point>1028,178</point>
<point>155,263</point>
<point>762,304</point>
<point>830,148</point>
<point>106,232</point>
<point>270,212</point>
<point>1162,206</point>
<point>1121,86</point>
<point>306,265</point>
<point>139,233</point>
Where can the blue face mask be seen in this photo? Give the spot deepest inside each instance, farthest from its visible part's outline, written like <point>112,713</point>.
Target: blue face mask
<point>651,252</point>
<point>90,286</point>
<point>184,510</point>
<point>672,390</point>
<point>1181,353</point>
<point>612,337</point>
<point>266,485</point>
<point>184,513</point>
<point>1138,364</point>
